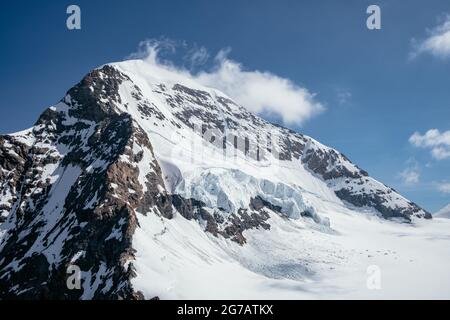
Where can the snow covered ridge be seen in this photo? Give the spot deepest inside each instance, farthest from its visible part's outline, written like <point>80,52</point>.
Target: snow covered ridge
<point>138,171</point>
<point>187,111</point>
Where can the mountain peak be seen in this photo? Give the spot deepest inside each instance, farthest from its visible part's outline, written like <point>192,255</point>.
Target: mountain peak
<point>134,154</point>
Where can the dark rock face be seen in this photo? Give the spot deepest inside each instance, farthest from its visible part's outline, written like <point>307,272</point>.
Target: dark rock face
<point>15,161</point>
<point>91,218</point>
<point>259,203</point>
<point>230,123</point>
<point>92,222</point>
<point>245,220</point>
<point>194,209</point>
<point>377,201</point>
<point>185,97</point>
<point>95,96</point>
<point>319,162</point>
<point>233,226</point>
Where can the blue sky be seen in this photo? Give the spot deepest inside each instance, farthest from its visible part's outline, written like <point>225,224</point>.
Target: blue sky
<point>375,96</point>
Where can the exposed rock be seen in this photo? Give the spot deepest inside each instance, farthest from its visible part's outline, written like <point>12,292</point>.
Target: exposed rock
<point>72,188</point>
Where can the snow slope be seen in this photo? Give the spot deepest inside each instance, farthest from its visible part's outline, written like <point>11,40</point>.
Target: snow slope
<point>444,212</point>
<point>296,258</point>
<point>156,186</point>
<point>295,261</point>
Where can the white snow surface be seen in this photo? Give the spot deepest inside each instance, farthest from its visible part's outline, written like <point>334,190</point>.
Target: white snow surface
<point>297,258</point>
<point>176,259</point>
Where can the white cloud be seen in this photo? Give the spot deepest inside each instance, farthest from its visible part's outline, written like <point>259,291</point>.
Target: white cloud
<point>433,139</point>
<point>410,175</point>
<point>444,187</point>
<point>260,92</point>
<point>152,50</point>
<point>440,153</point>
<point>197,56</point>
<point>437,43</point>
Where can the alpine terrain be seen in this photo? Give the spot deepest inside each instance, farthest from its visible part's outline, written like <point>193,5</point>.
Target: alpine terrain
<point>141,184</point>
<point>444,212</point>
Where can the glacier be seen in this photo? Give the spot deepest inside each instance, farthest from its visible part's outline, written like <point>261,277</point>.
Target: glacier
<point>159,187</point>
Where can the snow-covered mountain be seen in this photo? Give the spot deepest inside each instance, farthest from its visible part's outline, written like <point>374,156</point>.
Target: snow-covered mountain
<point>155,186</point>
<point>444,212</point>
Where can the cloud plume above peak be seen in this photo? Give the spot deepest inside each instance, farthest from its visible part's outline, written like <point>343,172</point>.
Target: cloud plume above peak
<point>261,92</point>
